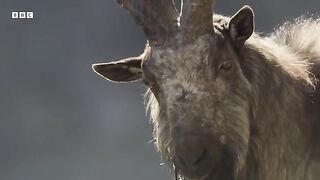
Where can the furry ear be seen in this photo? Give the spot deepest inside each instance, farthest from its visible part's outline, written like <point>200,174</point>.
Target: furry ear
<point>241,25</point>
<point>126,70</point>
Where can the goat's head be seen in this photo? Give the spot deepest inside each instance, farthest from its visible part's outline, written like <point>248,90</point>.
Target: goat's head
<point>199,96</point>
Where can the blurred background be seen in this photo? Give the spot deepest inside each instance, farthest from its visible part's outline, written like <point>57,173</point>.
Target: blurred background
<point>60,121</point>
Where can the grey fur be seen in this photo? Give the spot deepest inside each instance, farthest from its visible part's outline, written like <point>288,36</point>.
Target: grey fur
<point>270,117</point>
<point>254,103</point>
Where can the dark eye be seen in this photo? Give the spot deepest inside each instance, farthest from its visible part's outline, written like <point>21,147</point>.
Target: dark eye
<point>225,66</point>
<point>146,82</point>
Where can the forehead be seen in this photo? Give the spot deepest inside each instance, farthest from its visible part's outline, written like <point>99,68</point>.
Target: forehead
<point>206,50</point>
<point>193,54</point>
<point>183,55</point>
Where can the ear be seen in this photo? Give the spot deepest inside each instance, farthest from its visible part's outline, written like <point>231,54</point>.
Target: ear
<point>126,70</point>
<point>241,25</point>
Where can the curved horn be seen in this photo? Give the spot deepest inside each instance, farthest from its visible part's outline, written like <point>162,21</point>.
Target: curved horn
<point>196,17</point>
<point>158,18</point>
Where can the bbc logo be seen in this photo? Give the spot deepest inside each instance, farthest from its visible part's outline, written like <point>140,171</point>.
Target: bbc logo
<point>22,15</point>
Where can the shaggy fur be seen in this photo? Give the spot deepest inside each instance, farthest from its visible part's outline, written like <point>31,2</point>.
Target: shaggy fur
<point>279,90</point>
<point>227,103</point>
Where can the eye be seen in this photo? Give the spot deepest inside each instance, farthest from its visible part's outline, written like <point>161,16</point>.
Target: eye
<point>225,66</point>
<point>146,82</point>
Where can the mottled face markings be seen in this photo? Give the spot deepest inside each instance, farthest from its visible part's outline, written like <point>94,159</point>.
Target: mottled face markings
<point>198,88</point>
<point>183,69</point>
<point>190,88</point>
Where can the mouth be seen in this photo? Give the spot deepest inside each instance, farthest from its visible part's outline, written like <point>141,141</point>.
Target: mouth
<point>202,168</point>
<point>216,173</point>
<point>183,176</point>
<point>213,169</point>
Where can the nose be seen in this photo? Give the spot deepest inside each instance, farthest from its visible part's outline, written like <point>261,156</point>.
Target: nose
<point>192,153</point>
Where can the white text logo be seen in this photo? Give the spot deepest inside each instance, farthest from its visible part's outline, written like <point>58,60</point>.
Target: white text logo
<point>22,15</point>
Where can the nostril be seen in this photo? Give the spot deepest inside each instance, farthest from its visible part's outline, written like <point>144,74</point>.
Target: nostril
<point>201,157</point>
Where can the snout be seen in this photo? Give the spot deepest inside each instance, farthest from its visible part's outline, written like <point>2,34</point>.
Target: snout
<point>195,153</point>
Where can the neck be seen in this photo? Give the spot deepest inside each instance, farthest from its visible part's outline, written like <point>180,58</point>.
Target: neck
<point>280,132</point>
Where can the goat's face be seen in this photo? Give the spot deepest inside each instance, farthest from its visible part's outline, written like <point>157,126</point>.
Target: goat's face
<point>199,98</point>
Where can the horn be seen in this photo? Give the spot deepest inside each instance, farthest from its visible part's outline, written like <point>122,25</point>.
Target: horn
<point>196,18</point>
<point>158,18</point>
